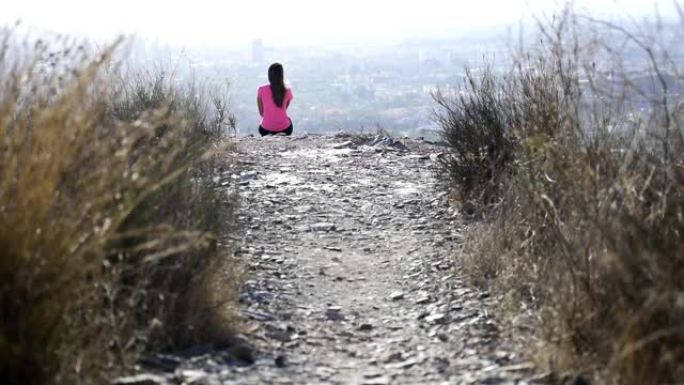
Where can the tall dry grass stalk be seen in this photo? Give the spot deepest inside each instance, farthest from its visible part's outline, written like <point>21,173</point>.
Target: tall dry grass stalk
<point>589,227</point>
<point>108,215</point>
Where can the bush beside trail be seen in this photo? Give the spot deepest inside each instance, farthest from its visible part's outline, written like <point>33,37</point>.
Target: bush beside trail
<point>109,216</point>
<point>576,170</point>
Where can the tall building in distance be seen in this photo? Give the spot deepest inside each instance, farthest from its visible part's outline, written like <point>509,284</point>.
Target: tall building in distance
<point>258,51</point>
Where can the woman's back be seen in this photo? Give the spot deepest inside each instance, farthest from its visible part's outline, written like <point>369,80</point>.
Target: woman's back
<point>274,118</point>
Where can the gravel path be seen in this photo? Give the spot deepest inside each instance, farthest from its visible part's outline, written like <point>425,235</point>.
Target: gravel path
<point>350,246</point>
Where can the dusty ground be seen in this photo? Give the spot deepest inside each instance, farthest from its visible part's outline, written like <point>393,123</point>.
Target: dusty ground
<point>352,277</point>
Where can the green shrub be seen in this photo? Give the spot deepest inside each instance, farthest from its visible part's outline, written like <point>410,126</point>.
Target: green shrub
<point>474,125</point>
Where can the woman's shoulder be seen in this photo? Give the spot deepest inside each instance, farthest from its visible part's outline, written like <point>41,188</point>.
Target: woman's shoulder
<point>264,87</point>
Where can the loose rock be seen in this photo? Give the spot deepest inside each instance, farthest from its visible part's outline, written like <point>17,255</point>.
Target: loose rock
<point>141,379</point>
<point>336,234</point>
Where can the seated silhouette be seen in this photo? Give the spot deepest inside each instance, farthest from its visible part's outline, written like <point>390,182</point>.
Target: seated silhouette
<point>273,99</point>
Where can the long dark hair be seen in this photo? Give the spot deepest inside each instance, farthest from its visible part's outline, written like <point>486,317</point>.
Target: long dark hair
<point>276,77</point>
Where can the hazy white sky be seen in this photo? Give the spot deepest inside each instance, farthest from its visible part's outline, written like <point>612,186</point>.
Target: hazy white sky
<point>236,22</point>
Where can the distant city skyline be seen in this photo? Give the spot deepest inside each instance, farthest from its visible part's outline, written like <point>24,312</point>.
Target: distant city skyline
<point>223,24</point>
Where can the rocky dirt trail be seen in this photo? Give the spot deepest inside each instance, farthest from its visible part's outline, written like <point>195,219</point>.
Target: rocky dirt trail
<point>351,278</point>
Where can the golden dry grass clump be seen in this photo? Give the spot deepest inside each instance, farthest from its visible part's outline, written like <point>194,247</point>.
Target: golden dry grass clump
<point>584,179</point>
<point>108,214</point>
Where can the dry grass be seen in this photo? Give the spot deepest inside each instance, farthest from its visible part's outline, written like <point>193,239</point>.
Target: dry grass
<point>590,228</point>
<point>108,215</point>
<point>474,127</point>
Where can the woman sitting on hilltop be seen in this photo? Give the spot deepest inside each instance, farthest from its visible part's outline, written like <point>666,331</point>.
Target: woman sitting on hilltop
<point>273,100</point>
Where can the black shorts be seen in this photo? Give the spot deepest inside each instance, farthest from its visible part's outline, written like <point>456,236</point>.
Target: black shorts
<point>287,131</point>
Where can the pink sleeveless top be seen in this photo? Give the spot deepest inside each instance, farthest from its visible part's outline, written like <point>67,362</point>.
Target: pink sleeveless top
<point>275,118</point>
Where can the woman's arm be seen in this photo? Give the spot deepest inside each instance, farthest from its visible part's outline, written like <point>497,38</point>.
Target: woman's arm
<point>260,105</point>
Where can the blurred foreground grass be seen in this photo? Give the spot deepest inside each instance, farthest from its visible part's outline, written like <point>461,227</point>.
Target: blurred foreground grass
<point>109,216</point>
